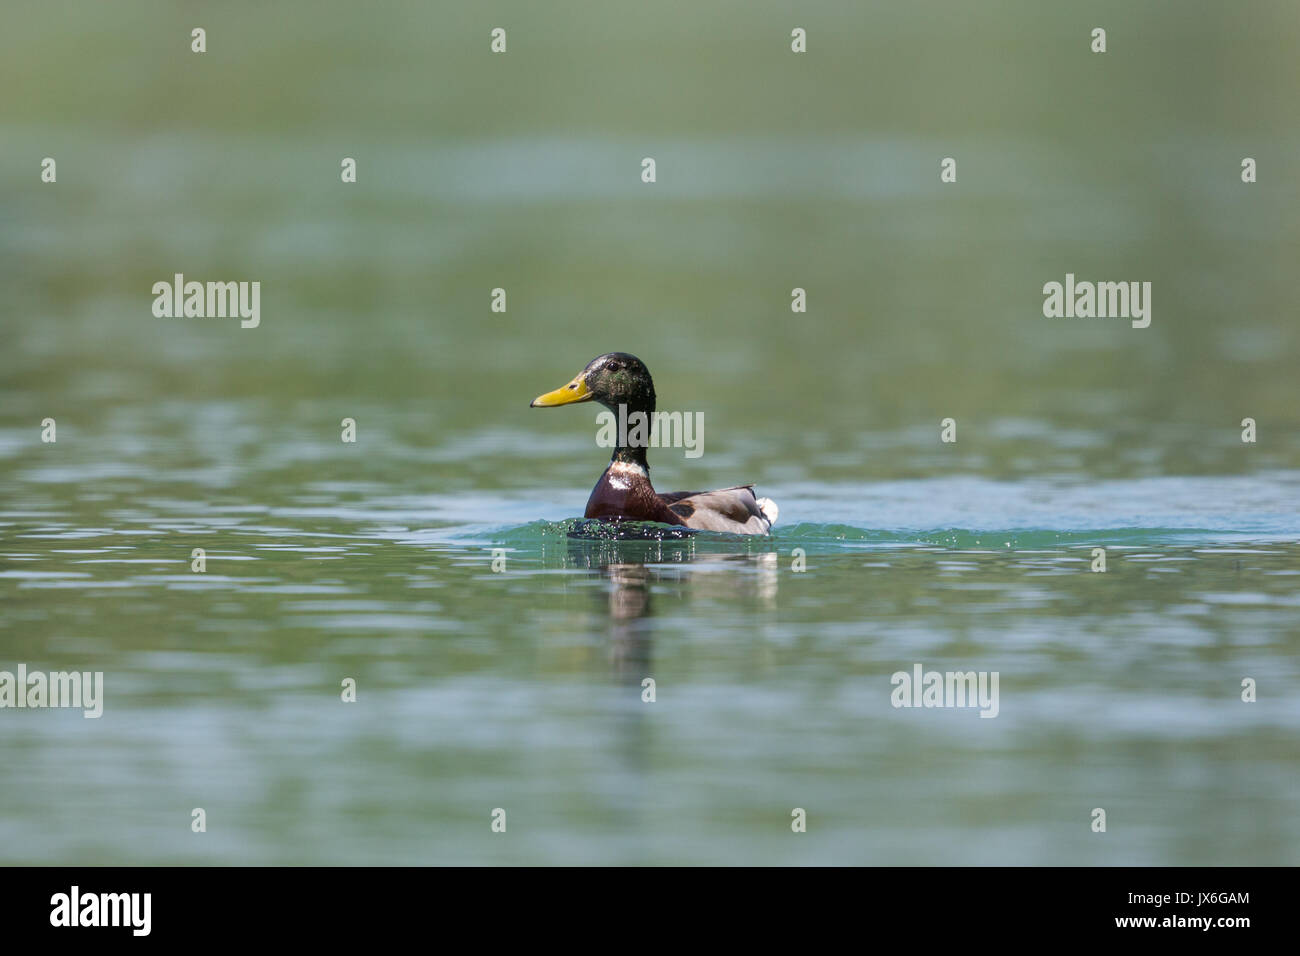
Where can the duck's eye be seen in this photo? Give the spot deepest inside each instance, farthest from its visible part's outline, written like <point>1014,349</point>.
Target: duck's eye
<point>616,367</point>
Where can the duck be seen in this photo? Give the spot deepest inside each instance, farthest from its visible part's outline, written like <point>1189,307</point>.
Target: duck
<point>624,492</point>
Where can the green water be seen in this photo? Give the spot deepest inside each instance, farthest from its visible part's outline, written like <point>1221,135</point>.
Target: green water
<point>521,688</point>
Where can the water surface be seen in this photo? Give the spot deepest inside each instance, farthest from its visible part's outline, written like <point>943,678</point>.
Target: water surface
<point>521,688</point>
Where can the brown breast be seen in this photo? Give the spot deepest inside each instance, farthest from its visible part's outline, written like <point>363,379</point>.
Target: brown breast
<point>624,491</point>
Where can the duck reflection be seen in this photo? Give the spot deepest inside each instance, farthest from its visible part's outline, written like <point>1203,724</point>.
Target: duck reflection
<point>676,571</point>
<point>647,582</point>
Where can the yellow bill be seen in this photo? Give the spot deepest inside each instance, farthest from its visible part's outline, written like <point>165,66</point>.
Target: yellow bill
<point>575,391</point>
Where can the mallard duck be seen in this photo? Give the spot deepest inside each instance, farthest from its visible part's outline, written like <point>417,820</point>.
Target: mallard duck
<point>624,491</point>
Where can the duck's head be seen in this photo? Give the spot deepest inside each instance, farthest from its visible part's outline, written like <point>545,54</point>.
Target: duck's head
<point>612,379</point>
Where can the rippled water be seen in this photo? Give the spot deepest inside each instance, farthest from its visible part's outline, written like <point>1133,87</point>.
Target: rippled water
<point>499,655</point>
<point>522,688</point>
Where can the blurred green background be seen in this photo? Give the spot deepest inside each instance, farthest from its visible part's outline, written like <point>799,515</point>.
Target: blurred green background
<point>775,171</point>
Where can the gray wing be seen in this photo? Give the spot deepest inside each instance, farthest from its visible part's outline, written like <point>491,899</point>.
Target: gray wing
<point>734,510</point>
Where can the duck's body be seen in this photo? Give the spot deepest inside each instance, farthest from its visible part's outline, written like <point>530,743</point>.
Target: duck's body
<point>624,492</point>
